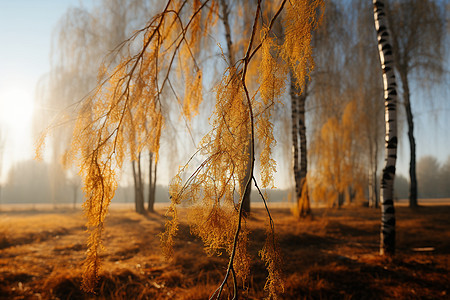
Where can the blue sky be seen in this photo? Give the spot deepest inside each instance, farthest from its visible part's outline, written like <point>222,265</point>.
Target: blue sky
<point>27,27</point>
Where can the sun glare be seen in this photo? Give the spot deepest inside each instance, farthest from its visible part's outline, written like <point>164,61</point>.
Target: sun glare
<point>16,113</point>
<point>16,110</point>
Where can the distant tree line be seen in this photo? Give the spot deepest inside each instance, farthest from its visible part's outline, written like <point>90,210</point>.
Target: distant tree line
<point>433,179</point>
<point>31,181</point>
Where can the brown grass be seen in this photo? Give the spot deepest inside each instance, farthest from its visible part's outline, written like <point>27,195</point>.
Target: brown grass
<point>333,255</point>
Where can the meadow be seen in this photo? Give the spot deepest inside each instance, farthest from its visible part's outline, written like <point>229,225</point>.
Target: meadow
<point>332,255</point>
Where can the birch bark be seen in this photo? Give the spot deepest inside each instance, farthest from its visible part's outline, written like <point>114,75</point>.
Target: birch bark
<point>387,235</point>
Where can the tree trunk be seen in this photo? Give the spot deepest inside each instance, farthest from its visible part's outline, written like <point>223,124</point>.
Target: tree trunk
<point>294,123</point>
<point>373,170</point>
<point>412,141</point>
<point>387,235</point>
<point>140,203</point>
<point>351,194</point>
<point>371,199</point>
<point>151,199</point>
<point>373,189</point>
<point>75,194</point>
<point>304,205</point>
<point>138,188</point>
<point>226,24</point>
<point>300,166</point>
<point>340,199</point>
<point>375,181</point>
<point>151,184</point>
<point>247,192</point>
<point>155,169</point>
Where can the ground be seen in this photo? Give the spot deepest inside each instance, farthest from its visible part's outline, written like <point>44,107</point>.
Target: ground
<point>333,255</point>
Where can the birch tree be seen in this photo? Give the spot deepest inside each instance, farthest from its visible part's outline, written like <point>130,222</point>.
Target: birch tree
<point>387,243</point>
<point>298,93</point>
<point>300,165</point>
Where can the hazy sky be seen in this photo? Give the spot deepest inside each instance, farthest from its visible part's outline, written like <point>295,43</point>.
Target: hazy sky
<point>25,35</point>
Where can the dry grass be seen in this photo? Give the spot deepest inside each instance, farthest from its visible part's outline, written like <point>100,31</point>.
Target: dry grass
<point>333,255</point>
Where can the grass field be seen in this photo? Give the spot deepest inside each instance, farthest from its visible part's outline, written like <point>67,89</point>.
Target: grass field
<point>333,255</point>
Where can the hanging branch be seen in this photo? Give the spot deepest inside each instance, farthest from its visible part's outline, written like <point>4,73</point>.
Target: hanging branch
<point>124,115</point>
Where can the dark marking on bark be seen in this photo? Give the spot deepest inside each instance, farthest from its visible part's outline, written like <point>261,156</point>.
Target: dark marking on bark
<point>386,47</point>
<point>392,143</point>
<point>378,4</point>
<point>390,210</point>
<point>381,29</point>
<point>393,92</point>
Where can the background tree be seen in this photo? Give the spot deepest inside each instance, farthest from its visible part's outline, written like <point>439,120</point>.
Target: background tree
<point>337,144</point>
<point>346,58</point>
<point>300,166</point>
<point>444,179</point>
<point>27,181</point>
<point>362,63</point>
<point>401,187</point>
<point>81,43</point>
<point>300,145</point>
<point>418,32</point>
<point>339,168</point>
<point>428,177</point>
<point>298,95</point>
<point>152,171</point>
<point>74,182</point>
<point>138,185</point>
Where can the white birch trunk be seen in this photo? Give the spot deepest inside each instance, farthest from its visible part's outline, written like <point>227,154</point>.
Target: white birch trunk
<point>387,243</point>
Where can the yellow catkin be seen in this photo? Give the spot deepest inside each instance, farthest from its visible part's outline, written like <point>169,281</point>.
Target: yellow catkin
<point>301,18</point>
<point>271,255</point>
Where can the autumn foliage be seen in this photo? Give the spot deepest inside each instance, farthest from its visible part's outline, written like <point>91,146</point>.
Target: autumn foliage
<point>340,169</point>
<point>125,114</point>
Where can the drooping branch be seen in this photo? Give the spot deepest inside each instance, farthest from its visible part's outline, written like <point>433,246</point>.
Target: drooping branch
<point>125,116</point>
<point>252,156</point>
